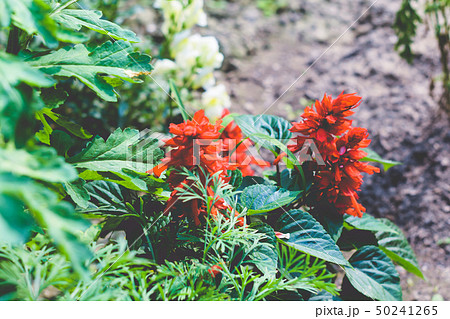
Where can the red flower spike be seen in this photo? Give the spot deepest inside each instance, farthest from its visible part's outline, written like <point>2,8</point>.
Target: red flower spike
<point>187,139</point>
<point>339,181</point>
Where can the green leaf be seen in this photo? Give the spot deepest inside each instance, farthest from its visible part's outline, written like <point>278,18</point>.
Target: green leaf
<point>260,199</point>
<point>266,257</point>
<point>78,192</point>
<point>307,235</point>
<point>62,121</point>
<point>58,218</point>
<point>178,100</point>
<point>290,180</point>
<point>124,154</point>
<point>15,224</point>
<point>394,244</point>
<point>373,274</point>
<point>42,163</point>
<point>252,180</point>
<point>53,97</point>
<point>270,125</point>
<point>61,141</point>
<point>31,16</point>
<point>106,199</point>
<point>235,178</point>
<point>76,19</point>
<point>113,59</point>
<point>366,222</point>
<point>332,221</point>
<point>17,100</point>
<point>372,156</point>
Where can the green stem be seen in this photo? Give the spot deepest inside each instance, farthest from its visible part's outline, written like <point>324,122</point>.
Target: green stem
<point>60,8</point>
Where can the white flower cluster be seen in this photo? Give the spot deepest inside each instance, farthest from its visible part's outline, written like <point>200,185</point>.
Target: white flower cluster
<point>193,58</point>
<point>181,15</point>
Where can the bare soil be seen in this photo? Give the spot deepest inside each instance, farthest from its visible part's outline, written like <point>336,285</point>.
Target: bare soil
<point>312,43</point>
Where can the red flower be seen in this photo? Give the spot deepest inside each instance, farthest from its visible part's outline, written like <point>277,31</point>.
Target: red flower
<point>186,142</point>
<point>215,270</point>
<point>343,179</point>
<point>188,134</point>
<point>328,119</point>
<point>236,148</point>
<point>329,116</point>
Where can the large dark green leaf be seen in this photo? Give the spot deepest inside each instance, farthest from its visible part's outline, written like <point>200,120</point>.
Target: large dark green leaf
<point>394,244</point>
<point>332,221</point>
<point>76,19</point>
<point>112,59</point>
<point>260,199</point>
<point>120,158</point>
<point>366,222</point>
<point>372,156</point>
<point>270,125</point>
<point>42,163</point>
<point>390,239</point>
<point>373,274</point>
<point>307,235</point>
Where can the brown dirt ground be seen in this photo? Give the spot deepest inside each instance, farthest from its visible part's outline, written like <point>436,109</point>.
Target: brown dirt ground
<point>265,55</point>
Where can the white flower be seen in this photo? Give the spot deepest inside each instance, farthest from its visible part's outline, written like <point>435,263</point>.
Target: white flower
<point>197,51</point>
<point>164,66</point>
<point>215,100</point>
<point>193,14</point>
<point>203,78</point>
<point>180,15</point>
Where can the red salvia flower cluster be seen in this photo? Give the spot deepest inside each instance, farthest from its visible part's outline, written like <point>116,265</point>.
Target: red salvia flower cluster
<point>202,137</point>
<point>341,178</point>
<point>235,144</point>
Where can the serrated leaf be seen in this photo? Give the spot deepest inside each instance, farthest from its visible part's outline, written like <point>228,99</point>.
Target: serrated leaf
<point>270,125</point>
<point>113,59</point>
<point>372,156</point>
<point>42,163</point>
<point>260,199</point>
<point>125,154</point>
<point>91,19</point>
<point>393,243</point>
<point>373,274</point>
<point>308,235</point>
